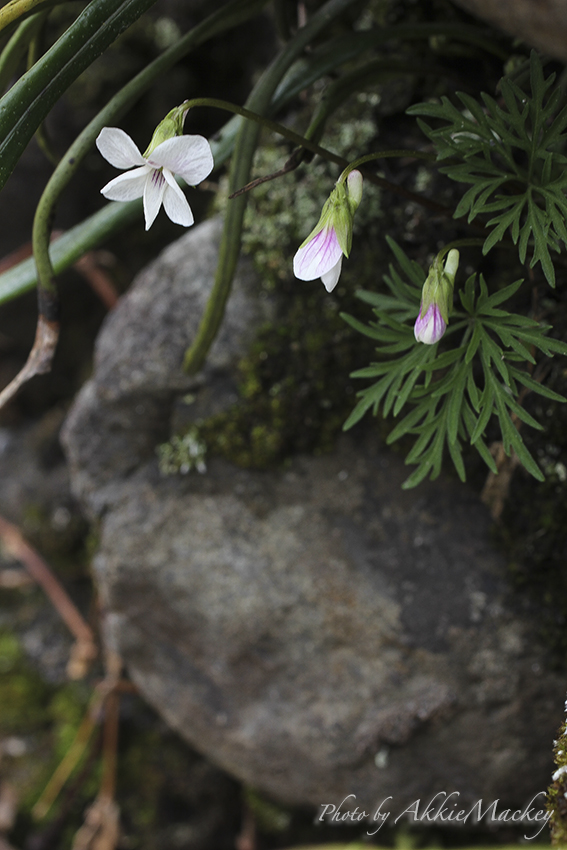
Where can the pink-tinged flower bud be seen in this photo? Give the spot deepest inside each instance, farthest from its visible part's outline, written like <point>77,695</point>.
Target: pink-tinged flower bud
<point>429,328</point>
<point>436,299</point>
<point>321,255</point>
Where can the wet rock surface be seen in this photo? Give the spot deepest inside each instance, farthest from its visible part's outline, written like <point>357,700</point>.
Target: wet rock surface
<point>316,630</point>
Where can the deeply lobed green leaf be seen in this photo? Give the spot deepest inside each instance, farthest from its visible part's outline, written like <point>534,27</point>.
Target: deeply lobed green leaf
<point>438,391</point>
<point>511,155</point>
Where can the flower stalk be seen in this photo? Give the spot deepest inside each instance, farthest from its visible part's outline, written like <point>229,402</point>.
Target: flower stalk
<point>259,101</point>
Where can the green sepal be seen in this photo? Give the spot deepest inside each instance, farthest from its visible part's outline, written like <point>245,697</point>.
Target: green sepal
<point>171,126</point>
<point>337,214</point>
<point>438,287</point>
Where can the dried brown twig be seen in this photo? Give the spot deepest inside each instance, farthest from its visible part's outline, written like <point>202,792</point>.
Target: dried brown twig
<point>39,358</point>
<point>101,827</point>
<point>497,485</point>
<point>92,267</point>
<point>85,648</point>
<point>47,329</point>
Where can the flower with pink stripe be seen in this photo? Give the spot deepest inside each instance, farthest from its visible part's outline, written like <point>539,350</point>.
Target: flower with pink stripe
<point>321,255</point>
<point>436,299</point>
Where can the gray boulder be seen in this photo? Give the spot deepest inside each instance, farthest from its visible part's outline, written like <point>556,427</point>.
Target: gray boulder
<point>316,631</point>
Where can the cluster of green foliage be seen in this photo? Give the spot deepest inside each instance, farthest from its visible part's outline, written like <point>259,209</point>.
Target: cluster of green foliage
<point>453,393</point>
<point>512,155</point>
<point>40,716</point>
<point>484,366</point>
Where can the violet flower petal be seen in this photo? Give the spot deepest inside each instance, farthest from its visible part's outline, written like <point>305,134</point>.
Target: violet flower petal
<point>153,196</point>
<point>175,203</point>
<point>319,256</point>
<point>331,278</point>
<point>188,156</point>
<point>118,148</point>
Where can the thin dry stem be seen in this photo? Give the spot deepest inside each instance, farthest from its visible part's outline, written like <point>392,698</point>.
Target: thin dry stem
<point>101,829</point>
<point>85,648</point>
<point>70,759</point>
<point>39,359</point>
<point>47,332</point>
<point>497,486</point>
<point>292,163</point>
<point>246,840</point>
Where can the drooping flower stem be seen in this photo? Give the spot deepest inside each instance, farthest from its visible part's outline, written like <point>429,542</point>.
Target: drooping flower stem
<point>306,143</point>
<point>263,121</point>
<point>397,153</point>
<point>246,143</point>
<point>464,243</point>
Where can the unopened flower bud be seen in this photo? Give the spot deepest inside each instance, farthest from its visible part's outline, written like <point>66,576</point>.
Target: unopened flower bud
<point>354,183</point>
<point>436,299</point>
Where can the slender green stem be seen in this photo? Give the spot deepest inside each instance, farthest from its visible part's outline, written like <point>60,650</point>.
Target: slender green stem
<point>460,243</point>
<point>263,121</point>
<point>399,154</point>
<point>34,53</point>
<point>308,144</point>
<point>18,8</point>
<point>225,18</point>
<point>282,15</point>
<point>16,48</point>
<point>259,101</point>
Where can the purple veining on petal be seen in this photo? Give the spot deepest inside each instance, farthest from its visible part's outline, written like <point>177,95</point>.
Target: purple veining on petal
<point>153,196</point>
<point>430,328</point>
<point>318,256</point>
<point>157,178</point>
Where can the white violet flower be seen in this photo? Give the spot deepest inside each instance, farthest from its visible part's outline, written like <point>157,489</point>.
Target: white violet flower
<point>153,179</point>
